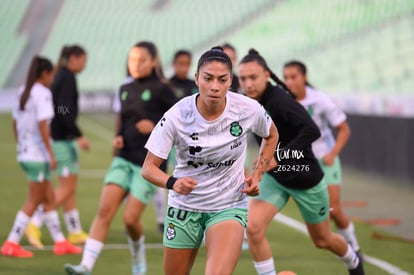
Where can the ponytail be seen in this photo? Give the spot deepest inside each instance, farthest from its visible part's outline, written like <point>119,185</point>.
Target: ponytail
<point>254,56</point>
<point>37,67</point>
<point>301,67</point>
<point>67,52</point>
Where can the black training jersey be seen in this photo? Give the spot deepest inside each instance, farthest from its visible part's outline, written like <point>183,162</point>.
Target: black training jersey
<point>235,86</point>
<point>297,166</point>
<point>183,87</point>
<point>65,101</point>
<point>146,98</point>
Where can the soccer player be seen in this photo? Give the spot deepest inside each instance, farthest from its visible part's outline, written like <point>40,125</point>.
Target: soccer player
<point>160,194</point>
<point>31,117</point>
<point>67,137</point>
<point>297,175</point>
<point>143,102</point>
<point>182,84</point>
<point>208,190</point>
<point>325,113</point>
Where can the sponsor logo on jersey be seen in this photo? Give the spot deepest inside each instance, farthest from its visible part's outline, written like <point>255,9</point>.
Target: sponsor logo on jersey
<point>146,95</point>
<point>235,129</point>
<point>236,144</point>
<point>194,136</point>
<point>220,164</point>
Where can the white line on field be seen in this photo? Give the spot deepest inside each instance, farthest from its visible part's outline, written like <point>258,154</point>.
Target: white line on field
<point>107,135</point>
<point>390,268</point>
<point>113,246</point>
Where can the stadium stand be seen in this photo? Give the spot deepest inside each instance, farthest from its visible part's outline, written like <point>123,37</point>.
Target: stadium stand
<point>358,46</point>
<point>109,32</point>
<point>337,39</point>
<point>12,44</point>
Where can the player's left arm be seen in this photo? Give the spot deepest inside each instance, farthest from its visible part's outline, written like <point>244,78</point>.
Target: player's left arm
<point>342,137</point>
<point>265,161</point>
<point>337,119</point>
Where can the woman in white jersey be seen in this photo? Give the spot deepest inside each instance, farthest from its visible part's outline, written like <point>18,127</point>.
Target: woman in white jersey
<point>208,192</point>
<point>326,114</point>
<point>31,117</point>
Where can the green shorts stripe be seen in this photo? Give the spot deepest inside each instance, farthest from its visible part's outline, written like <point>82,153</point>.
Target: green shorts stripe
<point>66,155</point>
<point>185,229</point>
<point>313,202</point>
<point>333,173</point>
<point>128,176</point>
<point>36,171</point>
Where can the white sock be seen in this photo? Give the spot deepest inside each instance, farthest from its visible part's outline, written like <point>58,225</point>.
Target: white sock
<point>134,246</point>
<point>349,235</point>
<point>160,204</point>
<point>20,223</point>
<point>72,221</point>
<point>53,224</point>
<point>91,253</point>
<point>37,218</point>
<point>266,267</point>
<point>350,258</point>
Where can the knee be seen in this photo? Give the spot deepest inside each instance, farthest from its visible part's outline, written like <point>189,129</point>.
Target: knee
<point>255,231</point>
<point>105,214</point>
<point>130,221</point>
<point>322,242</point>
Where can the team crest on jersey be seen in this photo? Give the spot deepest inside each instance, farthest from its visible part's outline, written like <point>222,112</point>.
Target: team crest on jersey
<point>124,95</point>
<point>146,95</point>
<point>235,129</point>
<point>171,231</point>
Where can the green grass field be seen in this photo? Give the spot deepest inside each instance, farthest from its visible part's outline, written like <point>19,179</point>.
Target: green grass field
<point>292,250</point>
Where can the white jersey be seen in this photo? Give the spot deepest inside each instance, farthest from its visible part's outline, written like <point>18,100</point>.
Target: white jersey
<point>325,113</point>
<point>39,106</point>
<point>211,152</point>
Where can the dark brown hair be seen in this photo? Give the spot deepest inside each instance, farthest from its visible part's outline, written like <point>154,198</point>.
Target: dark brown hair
<point>37,67</point>
<point>67,52</point>
<point>254,56</point>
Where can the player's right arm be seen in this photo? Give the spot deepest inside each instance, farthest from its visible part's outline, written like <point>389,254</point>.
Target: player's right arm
<point>151,172</point>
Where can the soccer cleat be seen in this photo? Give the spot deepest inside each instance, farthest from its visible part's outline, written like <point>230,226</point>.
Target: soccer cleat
<point>33,235</point>
<point>139,262</point>
<point>11,249</point>
<point>76,270</point>
<point>359,270</point>
<point>78,238</point>
<point>65,247</point>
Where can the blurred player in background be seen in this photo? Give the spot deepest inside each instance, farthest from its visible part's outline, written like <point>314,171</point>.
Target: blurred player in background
<point>325,113</point>
<point>297,175</point>
<point>230,50</point>
<point>31,117</point>
<point>159,198</point>
<point>208,191</point>
<point>143,102</point>
<point>182,84</point>
<point>67,137</point>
